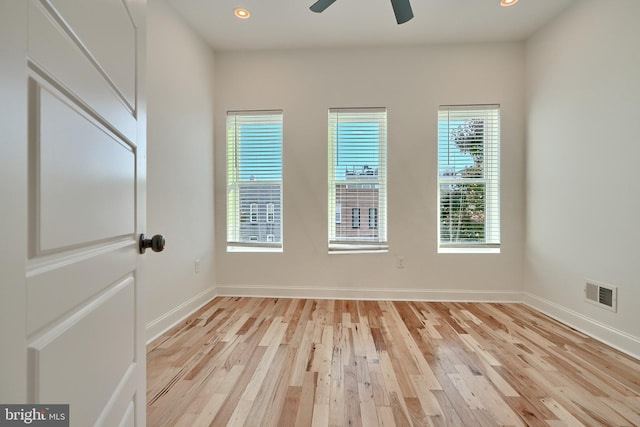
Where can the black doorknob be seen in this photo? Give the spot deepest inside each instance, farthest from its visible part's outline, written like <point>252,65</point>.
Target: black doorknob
<point>156,243</point>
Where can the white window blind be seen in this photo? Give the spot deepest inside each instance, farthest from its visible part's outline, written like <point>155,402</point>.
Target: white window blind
<point>254,180</point>
<point>469,176</point>
<point>357,179</point>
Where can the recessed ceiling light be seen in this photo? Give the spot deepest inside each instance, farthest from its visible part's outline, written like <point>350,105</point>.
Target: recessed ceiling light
<point>508,2</point>
<point>241,13</point>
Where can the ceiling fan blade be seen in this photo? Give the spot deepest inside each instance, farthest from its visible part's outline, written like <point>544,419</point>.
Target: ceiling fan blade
<point>321,5</point>
<point>402,10</point>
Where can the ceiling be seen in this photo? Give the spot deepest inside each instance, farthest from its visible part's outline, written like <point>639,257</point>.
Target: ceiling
<point>287,24</point>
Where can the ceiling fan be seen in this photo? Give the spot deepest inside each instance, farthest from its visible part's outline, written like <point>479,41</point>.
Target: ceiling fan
<point>401,8</point>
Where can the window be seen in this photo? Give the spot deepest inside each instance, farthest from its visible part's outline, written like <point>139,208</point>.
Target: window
<point>271,213</point>
<point>253,212</point>
<point>355,217</point>
<point>254,180</point>
<point>469,178</point>
<point>357,178</point>
<point>373,218</point>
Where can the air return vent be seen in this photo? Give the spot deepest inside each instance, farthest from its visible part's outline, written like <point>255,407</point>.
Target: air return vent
<point>605,296</point>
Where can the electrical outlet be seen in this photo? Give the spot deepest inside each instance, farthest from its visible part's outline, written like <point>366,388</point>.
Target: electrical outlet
<point>400,262</point>
<point>197,266</point>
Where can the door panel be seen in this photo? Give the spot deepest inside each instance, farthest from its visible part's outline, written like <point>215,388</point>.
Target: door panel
<point>59,55</point>
<point>128,419</point>
<point>108,34</point>
<point>90,350</point>
<point>76,156</point>
<point>59,283</point>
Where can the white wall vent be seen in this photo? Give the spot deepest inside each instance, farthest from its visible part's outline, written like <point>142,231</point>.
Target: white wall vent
<point>602,295</point>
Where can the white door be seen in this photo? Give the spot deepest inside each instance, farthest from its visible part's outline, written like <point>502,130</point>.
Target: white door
<point>72,167</point>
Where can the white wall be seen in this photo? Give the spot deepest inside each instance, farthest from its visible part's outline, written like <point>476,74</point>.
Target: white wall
<point>411,82</point>
<point>583,157</point>
<point>180,167</point>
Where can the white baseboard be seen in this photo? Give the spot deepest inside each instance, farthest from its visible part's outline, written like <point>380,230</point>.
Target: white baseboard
<point>158,326</point>
<point>370,294</point>
<point>615,338</point>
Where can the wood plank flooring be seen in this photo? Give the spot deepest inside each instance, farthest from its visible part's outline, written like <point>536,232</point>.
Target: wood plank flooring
<point>294,362</point>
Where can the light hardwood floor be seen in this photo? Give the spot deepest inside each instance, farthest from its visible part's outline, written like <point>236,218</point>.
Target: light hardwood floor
<point>294,362</point>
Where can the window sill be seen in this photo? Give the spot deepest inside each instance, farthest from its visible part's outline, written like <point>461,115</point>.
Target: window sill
<point>336,248</point>
<point>245,249</point>
<point>468,250</point>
